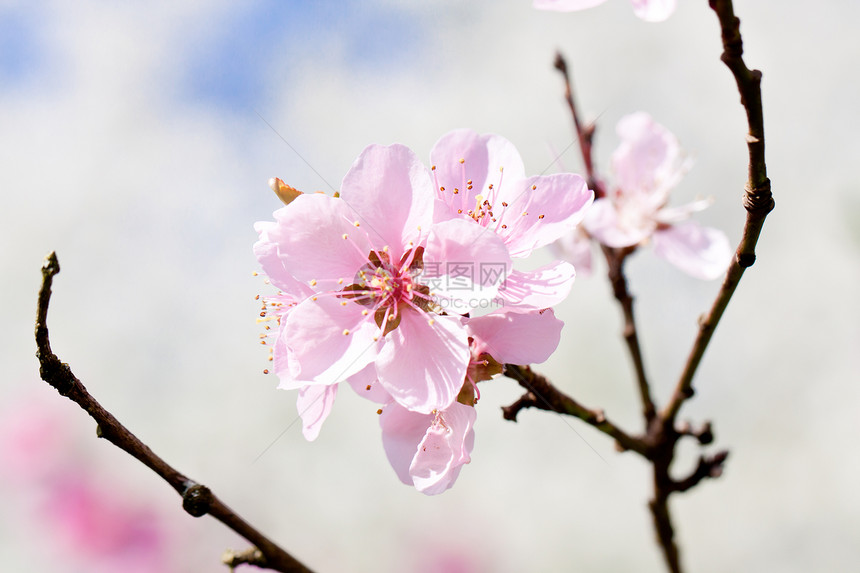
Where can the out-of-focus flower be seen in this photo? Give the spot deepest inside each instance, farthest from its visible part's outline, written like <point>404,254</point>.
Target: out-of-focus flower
<point>105,531</point>
<point>648,10</point>
<point>368,276</point>
<point>575,248</point>
<point>481,178</point>
<point>81,512</point>
<point>647,165</point>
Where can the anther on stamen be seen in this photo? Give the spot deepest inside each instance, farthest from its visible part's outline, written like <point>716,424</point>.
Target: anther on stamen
<point>345,331</point>
<point>254,273</point>
<point>540,216</point>
<point>504,226</point>
<point>379,411</point>
<point>364,312</point>
<point>344,236</point>
<point>313,282</point>
<point>357,224</point>
<point>462,161</point>
<point>504,204</point>
<point>534,187</point>
<point>367,387</point>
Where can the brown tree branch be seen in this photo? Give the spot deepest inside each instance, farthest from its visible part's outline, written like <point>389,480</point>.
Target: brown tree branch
<point>541,394</point>
<point>614,257</point>
<point>197,499</point>
<point>758,200</point>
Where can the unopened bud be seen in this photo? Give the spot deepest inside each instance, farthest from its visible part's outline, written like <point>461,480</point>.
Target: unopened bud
<point>284,192</point>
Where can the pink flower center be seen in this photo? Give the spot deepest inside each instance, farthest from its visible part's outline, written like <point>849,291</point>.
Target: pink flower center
<point>482,212</point>
<point>390,288</point>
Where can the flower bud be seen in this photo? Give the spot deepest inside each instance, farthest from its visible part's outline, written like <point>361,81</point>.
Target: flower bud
<point>284,192</point>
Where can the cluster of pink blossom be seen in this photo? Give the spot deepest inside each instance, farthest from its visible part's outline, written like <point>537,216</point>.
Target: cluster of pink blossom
<point>647,164</point>
<point>402,285</point>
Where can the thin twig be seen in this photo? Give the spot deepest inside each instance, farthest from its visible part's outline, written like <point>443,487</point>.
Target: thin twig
<point>584,134</point>
<point>543,395</point>
<point>197,499</point>
<point>614,257</point>
<point>758,200</point>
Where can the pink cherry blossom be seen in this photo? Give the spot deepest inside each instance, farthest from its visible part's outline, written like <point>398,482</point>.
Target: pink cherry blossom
<point>648,10</point>
<point>481,178</point>
<point>367,276</point>
<point>428,450</point>
<point>647,165</point>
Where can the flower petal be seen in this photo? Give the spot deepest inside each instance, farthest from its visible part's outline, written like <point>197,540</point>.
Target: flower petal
<point>423,365</point>
<point>391,195</point>
<point>309,237</point>
<point>517,338</point>
<point>539,210</point>
<point>463,155</point>
<point>402,431</point>
<point>574,248</point>
<point>266,249</point>
<point>654,10</point>
<point>443,451</point>
<point>648,159</point>
<point>366,384</point>
<point>699,251</point>
<point>464,264</point>
<point>314,404</point>
<point>605,225</point>
<point>328,341</point>
<point>538,289</point>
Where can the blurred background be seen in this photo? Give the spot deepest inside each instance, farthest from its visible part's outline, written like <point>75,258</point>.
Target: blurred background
<point>136,140</point>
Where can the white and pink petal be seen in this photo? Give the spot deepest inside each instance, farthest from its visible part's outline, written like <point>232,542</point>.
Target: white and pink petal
<point>444,449</point>
<point>329,341</point>
<point>390,193</point>
<point>541,288</point>
<point>516,338</point>
<point>314,404</point>
<point>536,211</point>
<point>701,252</point>
<point>423,361</point>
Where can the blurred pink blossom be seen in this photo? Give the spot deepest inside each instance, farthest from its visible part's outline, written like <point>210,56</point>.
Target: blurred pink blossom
<point>82,512</point>
<point>647,165</point>
<point>648,10</point>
